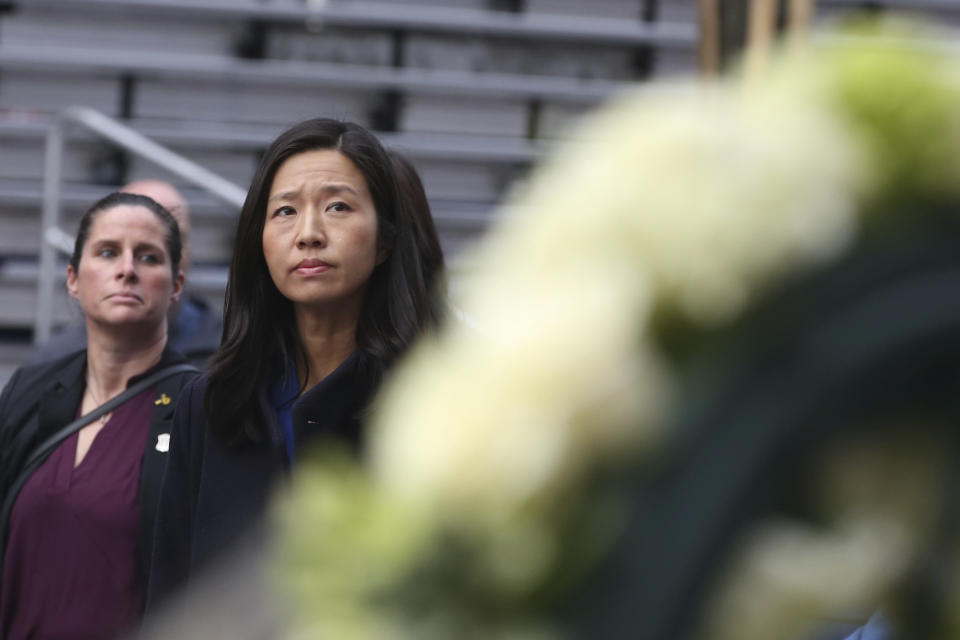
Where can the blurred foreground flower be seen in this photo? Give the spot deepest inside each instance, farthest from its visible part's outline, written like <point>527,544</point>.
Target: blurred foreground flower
<point>493,451</point>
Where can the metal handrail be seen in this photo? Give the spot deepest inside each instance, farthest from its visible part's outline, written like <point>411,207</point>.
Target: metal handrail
<point>56,239</point>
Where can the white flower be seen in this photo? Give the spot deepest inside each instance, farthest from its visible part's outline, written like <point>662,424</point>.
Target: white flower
<point>690,199</point>
<point>507,415</point>
<point>789,579</point>
<point>711,193</point>
<point>689,202</point>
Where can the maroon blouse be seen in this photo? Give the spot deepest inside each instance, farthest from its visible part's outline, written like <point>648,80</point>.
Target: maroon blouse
<point>69,568</point>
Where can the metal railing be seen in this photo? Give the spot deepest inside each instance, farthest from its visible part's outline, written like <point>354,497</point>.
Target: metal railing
<point>56,239</point>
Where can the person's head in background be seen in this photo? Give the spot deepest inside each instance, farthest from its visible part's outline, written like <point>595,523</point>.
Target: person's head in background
<point>413,194</point>
<point>193,329</point>
<point>325,190</point>
<point>125,267</point>
<point>173,201</point>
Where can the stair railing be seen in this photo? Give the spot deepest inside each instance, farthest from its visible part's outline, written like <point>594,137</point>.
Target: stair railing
<point>56,239</point>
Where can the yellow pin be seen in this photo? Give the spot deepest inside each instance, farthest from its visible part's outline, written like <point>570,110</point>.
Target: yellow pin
<point>163,399</point>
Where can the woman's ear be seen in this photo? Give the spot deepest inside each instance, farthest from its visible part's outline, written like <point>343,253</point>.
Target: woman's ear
<point>382,254</point>
<point>72,287</point>
<point>177,287</point>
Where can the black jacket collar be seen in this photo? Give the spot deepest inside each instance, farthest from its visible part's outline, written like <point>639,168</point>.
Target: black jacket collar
<point>335,406</point>
<point>63,394</point>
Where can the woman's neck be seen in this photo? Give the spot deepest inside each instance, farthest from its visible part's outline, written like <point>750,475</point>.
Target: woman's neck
<point>115,357</point>
<point>327,339</point>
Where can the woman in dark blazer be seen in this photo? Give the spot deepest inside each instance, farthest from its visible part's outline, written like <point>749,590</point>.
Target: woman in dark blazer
<point>327,288</point>
<point>77,520</point>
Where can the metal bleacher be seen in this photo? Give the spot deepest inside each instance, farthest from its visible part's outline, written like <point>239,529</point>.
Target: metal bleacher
<point>472,90</point>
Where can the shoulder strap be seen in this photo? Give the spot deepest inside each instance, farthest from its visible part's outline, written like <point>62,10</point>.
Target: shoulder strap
<point>39,454</point>
<point>106,408</point>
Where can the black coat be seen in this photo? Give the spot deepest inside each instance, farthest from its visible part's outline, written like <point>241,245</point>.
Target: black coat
<point>41,399</point>
<point>213,494</point>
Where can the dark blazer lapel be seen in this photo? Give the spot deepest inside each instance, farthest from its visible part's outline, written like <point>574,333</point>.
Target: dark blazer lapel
<point>271,424</point>
<point>59,402</point>
<point>155,462</point>
<point>333,408</point>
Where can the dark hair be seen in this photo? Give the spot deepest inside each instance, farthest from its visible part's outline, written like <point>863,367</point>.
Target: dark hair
<point>171,239</point>
<point>259,330</point>
<point>413,194</point>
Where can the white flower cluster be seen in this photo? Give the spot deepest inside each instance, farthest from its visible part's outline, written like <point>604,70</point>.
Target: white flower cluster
<point>690,199</point>
<point>684,203</point>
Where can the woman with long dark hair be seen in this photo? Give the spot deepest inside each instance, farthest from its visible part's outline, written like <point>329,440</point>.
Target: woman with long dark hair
<point>327,288</point>
<point>413,194</point>
<point>83,439</point>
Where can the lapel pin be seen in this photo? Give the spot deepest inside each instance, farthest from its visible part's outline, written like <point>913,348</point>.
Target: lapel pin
<point>163,399</point>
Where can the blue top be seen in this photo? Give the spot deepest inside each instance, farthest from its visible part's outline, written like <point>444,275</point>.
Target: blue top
<point>877,628</point>
<point>284,394</point>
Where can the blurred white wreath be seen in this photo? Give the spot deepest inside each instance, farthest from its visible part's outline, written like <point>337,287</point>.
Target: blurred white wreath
<point>687,202</point>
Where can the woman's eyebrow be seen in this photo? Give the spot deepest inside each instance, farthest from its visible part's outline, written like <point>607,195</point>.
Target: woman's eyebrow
<point>147,246</point>
<point>337,187</point>
<point>143,244</point>
<point>327,189</point>
<point>284,195</point>
<point>103,242</point>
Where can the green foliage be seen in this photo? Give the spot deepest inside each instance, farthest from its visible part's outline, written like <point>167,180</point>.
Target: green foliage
<point>904,104</point>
